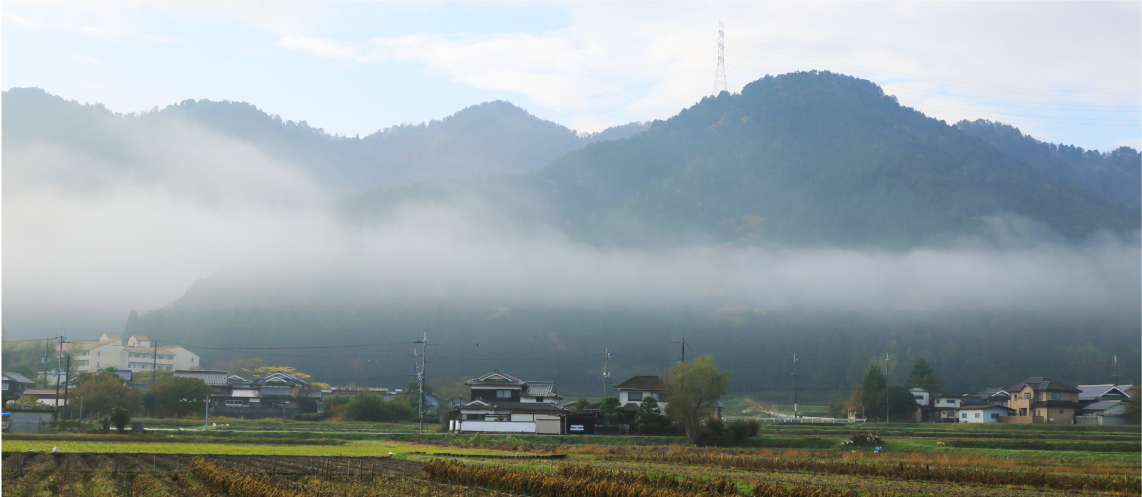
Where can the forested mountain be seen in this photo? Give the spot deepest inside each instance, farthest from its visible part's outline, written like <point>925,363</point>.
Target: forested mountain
<point>486,139</point>
<point>1117,175</point>
<point>811,158</point>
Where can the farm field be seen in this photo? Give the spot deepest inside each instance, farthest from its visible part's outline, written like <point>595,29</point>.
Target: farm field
<point>784,459</point>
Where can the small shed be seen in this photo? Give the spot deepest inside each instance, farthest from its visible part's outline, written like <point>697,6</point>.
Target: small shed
<point>30,420</point>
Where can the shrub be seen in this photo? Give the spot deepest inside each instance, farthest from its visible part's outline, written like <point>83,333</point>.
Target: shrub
<point>309,416</point>
<point>120,418</point>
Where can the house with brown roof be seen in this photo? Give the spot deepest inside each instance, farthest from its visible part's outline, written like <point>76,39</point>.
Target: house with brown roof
<point>1042,400</point>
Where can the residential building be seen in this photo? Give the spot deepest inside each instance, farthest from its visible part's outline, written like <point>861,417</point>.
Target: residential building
<point>923,396</point>
<point>281,390</point>
<point>1097,393</point>
<point>995,396</point>
<point>944,408</point>
<point>1103,404</point>
<point>138,354</point>
<point>502,403</point>
<point>982,413</point>
<point>216,380</point>
<point>14,386</point>
<point>1043,400</point>
<point>635,389</point>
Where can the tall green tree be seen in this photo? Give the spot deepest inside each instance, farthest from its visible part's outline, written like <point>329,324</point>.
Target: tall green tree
<point>609,410</point>
<point>901,404</point>
<point>103,391</point>
<point>177,396</point>
<point>871,387</point>
<point>924,377</point>
<point>694,388</point>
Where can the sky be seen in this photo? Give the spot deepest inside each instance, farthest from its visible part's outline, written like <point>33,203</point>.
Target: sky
<point>1062,72</point>
<point>84,234</point>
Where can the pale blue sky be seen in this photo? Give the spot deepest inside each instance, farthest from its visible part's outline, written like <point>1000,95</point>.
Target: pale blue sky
<point>1064,72</point>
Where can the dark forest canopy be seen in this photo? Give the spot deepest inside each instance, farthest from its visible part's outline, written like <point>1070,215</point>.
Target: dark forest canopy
<point>969,350</point>
<point>810,158</point>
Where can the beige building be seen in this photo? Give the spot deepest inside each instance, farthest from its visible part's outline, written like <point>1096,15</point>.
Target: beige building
<point>137,354</point>
<point>1043,400</point>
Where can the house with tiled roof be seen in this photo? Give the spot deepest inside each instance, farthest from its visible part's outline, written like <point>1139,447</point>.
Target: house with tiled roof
<point>632,391</point>
<point>14,386</point>
<point>1040,399</point>
<point>501,403</point>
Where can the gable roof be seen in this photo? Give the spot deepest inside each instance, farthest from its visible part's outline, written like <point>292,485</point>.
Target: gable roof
<point>1093,392</point>
<point>539,389</point>
<point>495,378</point>
<point>96,345</point>
<point>280,377</point>
<point>212,378</point>
<point>1042,383</point>
<point>17,377</point>
<point>642,383</point>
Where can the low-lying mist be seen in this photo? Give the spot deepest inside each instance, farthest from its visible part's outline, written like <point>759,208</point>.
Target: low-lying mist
<point>136,224</point>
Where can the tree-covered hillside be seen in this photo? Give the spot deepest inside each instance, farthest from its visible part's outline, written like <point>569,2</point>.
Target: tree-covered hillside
<point>486,139</point>
<point>810,158</point>
<point>1117,175</point>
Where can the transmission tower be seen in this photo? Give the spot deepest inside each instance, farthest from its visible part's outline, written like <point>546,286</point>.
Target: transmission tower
<point>720,72</point>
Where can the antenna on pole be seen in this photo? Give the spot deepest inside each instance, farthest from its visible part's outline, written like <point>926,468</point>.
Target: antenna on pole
<point>720,72</point>
<point>606,369</point>
<point>420,392</point>
<point>887,413</point>
<point>684,347</point>
<point>1116,370</point>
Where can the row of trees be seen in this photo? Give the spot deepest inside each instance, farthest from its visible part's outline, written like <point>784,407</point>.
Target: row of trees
<point>874,399</point>
<point>369,406</point>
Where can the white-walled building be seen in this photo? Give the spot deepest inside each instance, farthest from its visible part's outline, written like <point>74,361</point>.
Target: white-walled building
<point>138,354</point>
<point>982,413</point>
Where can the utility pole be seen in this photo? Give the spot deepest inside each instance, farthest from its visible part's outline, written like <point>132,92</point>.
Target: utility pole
<point>206,417</point>
<point>61,339</point>
<point>66,381</point>
<point>720,72</point>
<point>154,363</point>
<point>683,345</point>
<point>794,385</point>
<point>887,412</point>
<point>606,369</point>
<point>423,362</point>
<point>46,360</point>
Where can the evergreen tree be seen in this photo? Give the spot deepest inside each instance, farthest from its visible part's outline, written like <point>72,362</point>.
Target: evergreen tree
<point>924,377</point>
<point>871,387</point>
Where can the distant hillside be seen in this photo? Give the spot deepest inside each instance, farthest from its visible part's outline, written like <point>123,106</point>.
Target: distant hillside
<point>486,139</point>
<point>1117,175</point>
<point>809,158</point>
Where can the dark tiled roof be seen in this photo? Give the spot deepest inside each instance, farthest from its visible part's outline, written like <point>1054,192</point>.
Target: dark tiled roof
<point>973,401</point>
<point>539,389</point>
<point>18,378</point>
<point>981,406</point>
<point>1040,383</point>
<point>516,406</point>
<point>212,378</point>
<point>1093,392</point>
<point>495,378</point>
<point>642,383</point>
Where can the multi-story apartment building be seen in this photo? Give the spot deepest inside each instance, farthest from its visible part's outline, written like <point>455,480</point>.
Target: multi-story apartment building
<point>137,354</point>
<point>1043,400</point>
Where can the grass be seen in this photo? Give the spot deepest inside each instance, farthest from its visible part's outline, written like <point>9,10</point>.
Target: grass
<point>356,449</point>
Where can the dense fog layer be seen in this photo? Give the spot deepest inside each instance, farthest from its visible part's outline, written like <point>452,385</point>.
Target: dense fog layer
<point>133,224</point>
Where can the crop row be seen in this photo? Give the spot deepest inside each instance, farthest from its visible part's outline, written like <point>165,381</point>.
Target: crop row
<point>238,484</point>
<point>944,474</point>
<point>571,481</point>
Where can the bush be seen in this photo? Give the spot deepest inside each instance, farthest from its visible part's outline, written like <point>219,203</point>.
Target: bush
<point>309,416</point>
<point>368,406</point>
<point>120,418</point>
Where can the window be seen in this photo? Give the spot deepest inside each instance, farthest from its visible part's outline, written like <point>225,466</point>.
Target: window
<point>1060,411</point>
<point>234,403</point>
<point>977,415</point>
<point>1040,396</point>
<point>1038,412</point>
<point>994,416</point>
<point>503,394</point>
<point>1027,395</point>
<point>1022,411</point>
<point>919,397</point>
<point>634,396</point>
<point>655,395</point>
<point>539,399</point>
<point>964,415</point>
<point>1055,395</point>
